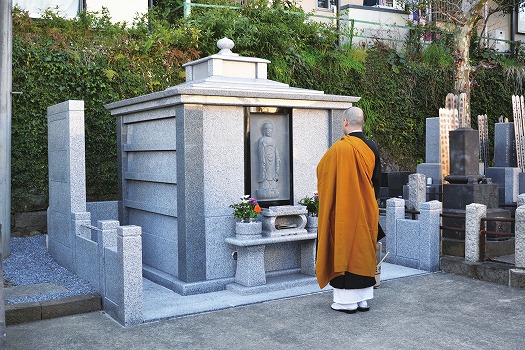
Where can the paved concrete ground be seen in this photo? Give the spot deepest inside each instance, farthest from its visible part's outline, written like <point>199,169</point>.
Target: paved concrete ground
<point>431,311</point>
<point>161,303</point>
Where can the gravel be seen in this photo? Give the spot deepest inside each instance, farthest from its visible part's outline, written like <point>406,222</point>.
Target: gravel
<point>30,263</point>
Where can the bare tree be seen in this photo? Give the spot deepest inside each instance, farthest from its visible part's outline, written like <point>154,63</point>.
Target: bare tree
<point>463,18</point>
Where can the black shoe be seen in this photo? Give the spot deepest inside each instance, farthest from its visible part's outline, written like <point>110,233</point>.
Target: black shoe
<point>346,311</point>
<point>363,309</point>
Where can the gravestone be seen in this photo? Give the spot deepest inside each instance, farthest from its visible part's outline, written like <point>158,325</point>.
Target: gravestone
<point>465,186</point>
<point>505,172</point>
<point>188,152</point>
<point>432,168</point>
<point>504,145</point>
<point>483,130</point>
<point>392,183</point>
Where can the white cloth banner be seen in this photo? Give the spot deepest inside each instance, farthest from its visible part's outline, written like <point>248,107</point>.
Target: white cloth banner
<point>36,8</point>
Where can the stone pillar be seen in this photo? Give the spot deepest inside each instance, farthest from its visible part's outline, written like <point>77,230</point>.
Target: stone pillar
<point>106,237</point>
<point>520,237</point>
<point>129,248</point>
<point>474,213</point>
<point>417,191</point>
<point>429,245</point>
<point>67,178</point>
<point>395,209</point>
<point>191,230</point>
<point>521,199</point>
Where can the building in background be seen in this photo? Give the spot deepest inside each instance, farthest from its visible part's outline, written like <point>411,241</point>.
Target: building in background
<point>119,10</point>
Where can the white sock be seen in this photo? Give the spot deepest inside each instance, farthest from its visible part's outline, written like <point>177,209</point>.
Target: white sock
<point>337,306</point>
<point>362,303</point>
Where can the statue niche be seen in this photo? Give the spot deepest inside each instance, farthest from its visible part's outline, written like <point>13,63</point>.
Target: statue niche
<point>269,164</point>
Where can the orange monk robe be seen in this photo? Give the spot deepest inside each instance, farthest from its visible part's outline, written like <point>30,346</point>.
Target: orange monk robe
<point>348,211</point>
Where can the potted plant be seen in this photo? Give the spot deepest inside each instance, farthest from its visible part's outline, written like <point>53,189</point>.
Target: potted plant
<point>247,211</point>
<point>312,205</point>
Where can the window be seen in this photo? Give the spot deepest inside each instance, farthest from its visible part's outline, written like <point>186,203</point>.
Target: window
<point>521,18</point>
<point>383,3</point>
<point>326,4</point>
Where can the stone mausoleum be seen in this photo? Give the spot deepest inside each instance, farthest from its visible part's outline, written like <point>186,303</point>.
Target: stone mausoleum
<point>188,152</point>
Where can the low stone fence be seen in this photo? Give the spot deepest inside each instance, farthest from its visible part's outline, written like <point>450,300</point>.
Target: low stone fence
<point>413,243</point>
<point>474,214</point>
<point>109,257</point>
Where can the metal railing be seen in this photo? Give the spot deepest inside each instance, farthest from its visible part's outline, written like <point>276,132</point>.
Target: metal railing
<point>452,228</point>
<point>484,233</point>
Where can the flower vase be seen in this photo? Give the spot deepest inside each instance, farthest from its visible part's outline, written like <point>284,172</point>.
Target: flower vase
<point>311,223</point>
<point>248,229</point>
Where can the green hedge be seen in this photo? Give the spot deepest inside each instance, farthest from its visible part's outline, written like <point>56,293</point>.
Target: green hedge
<point>90,59</point>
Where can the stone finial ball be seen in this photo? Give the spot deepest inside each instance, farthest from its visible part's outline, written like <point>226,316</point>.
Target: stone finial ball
<point>225,43</point>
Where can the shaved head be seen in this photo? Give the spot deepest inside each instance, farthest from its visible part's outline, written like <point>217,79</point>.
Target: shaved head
<point>353,119</point>
<point>355,116</point>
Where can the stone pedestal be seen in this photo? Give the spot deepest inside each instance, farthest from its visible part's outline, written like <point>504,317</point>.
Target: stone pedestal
<point>457,196</point>
<point>250,270</point>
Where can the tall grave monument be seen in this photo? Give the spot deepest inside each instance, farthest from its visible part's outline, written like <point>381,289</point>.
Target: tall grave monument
<point>465,186</point>
<point>188,152</point>
<point>505,171</point>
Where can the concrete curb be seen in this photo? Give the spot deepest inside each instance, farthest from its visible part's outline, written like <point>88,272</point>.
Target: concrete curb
<point>35,311</point>
<point>488,271</point>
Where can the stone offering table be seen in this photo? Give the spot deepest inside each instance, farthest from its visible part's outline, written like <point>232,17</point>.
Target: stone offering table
<point>250,270</point>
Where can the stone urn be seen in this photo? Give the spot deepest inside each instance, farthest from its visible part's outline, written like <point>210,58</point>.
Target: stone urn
<point>248,229</point>
<point>311,223</point>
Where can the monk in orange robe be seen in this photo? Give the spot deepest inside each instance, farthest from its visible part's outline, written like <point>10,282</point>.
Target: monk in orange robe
<point>348,180</point>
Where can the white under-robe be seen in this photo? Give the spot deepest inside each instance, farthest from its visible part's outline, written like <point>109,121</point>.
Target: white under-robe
<point>352,296</point>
